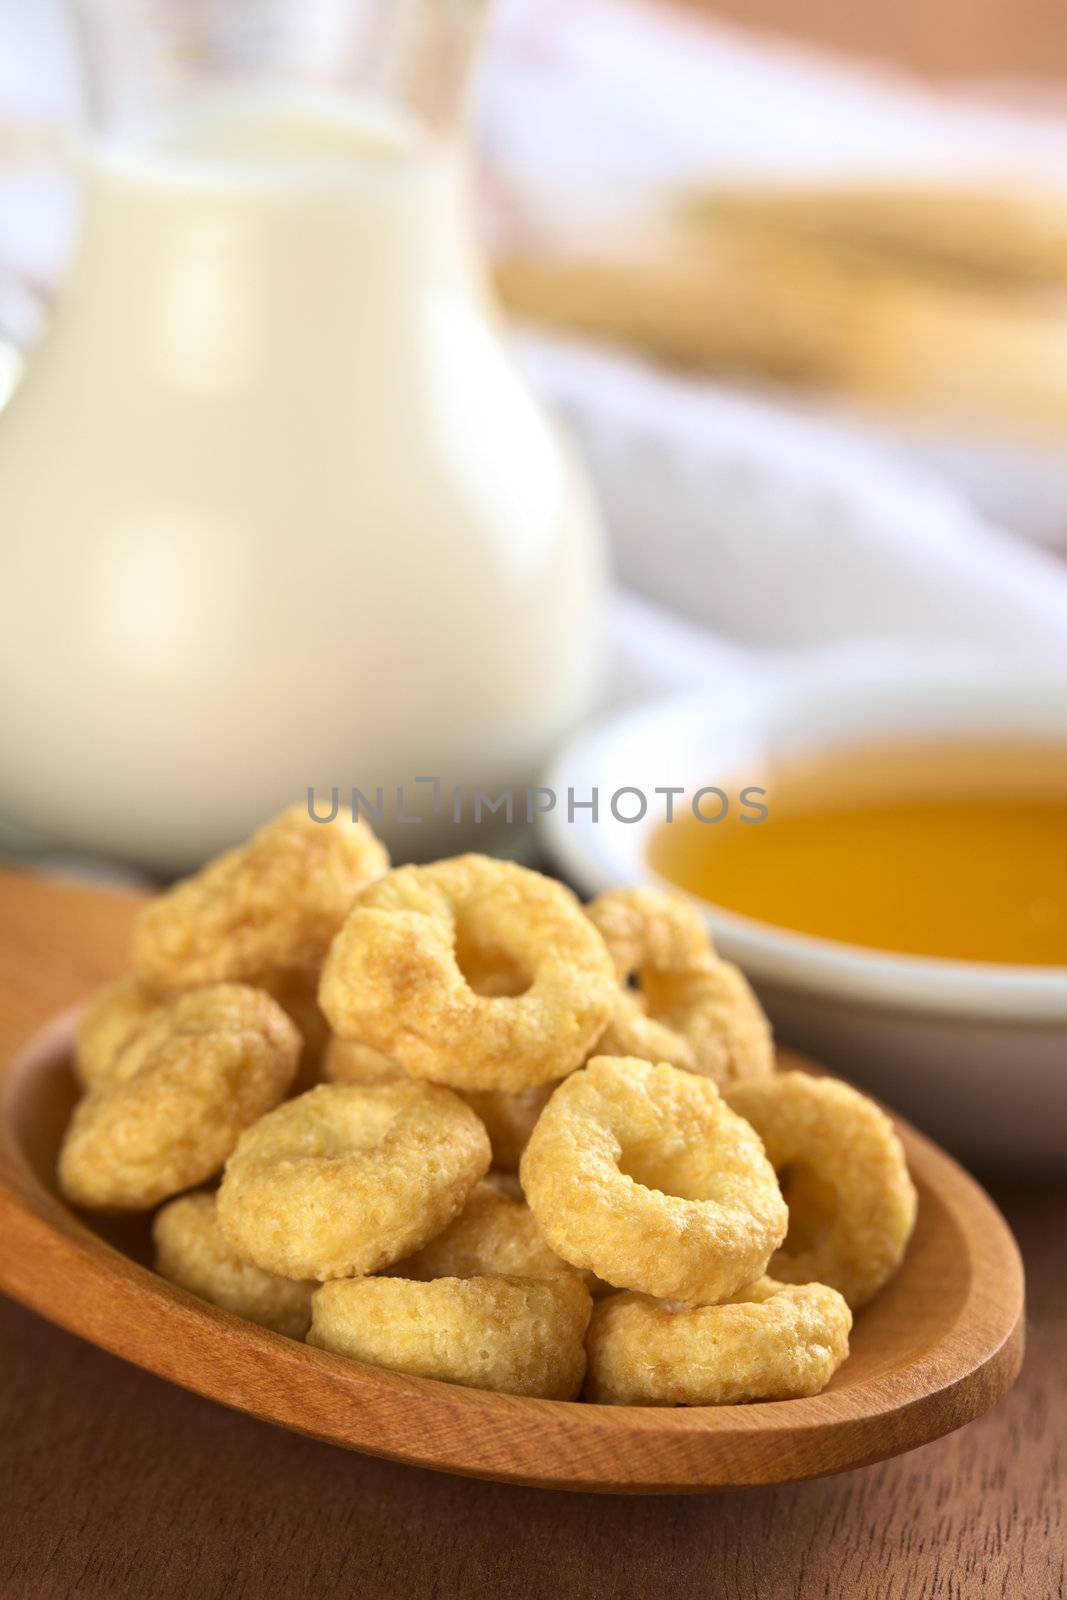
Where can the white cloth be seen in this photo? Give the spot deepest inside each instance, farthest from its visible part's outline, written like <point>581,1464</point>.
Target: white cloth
<point>587,105</point>
<point>600,93</point>
<point>770,531</point>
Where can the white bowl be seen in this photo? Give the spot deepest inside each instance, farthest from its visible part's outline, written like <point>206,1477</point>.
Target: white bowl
<point>974,1052</point>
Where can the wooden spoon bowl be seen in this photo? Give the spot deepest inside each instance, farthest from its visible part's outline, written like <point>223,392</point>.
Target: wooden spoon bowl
<point>940,1345</point>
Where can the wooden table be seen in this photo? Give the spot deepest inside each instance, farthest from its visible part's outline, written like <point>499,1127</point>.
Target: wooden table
<point>114,1483</point>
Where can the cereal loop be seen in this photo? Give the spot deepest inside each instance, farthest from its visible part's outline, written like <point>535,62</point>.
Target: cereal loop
<point>261,910</point>
<point>644,1175</point>
<point>297,992</point>
<point>109,1022</point>
<point>495,1235</point>
<point>191,1252</point>
<point>508,1118</point>
<point>179,1095</point>
<point>348,1061</point>
<point>690,1008</point>
<point>346,1179</point>
<point>514,1335</point>
<point>782,1343</point>
<point>396,976</point>
<point>851,1200</point>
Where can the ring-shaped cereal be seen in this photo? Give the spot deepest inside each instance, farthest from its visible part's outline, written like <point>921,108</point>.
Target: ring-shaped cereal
<point>495,1235</point>
<point>689,1008</point>
<point>509,1118</point>
<point>395,976</point>
<point>297,992</point>
<point>107,1025</point>
<point>845,1178</point>
<point>120,1010</point>
<point>780,1343</point>
<point>348,1061</point>
<point>644,1175</point>
<point>259,911</point>
<point>180,1094</point>
<point>514,1335</point>
<point>192,1252</point>
<point>346,1179</point>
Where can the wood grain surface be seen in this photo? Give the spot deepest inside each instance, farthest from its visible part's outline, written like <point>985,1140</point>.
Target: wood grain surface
<point>114,1483</point>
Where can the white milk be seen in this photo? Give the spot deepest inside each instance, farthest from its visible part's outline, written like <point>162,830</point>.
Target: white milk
<point>275,509</point>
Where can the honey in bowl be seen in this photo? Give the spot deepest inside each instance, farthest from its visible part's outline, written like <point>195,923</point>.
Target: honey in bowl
<point>953,850</point>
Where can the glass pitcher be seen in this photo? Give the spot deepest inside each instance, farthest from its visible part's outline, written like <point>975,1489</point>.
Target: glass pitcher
<point>276,512</point>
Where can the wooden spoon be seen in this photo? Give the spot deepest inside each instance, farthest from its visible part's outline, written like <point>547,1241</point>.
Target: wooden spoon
<point>940,1345</point>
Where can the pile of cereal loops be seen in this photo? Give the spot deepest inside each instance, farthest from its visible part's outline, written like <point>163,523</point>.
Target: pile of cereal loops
<point>447,1120</point>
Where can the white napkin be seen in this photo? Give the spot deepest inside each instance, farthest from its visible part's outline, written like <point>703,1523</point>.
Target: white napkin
<point>610,92</point>
<point>584,107</point>
<point>771,531</point>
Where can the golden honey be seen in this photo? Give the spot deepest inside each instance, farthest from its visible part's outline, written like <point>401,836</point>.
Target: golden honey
<point>950,850</point>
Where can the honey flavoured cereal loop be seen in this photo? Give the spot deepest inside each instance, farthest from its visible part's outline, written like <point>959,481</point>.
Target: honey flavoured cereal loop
<point>258,912</point>
<point>514,1335</point>
<point>508,1118</point>
<point>118,1011</point>
<point>644,1175</point>
<point>851,1201</point>
<point>690,1008</point>
<point>347,1179</point>
<point>109,1022</point>
<point>179,1095</point>
<point>191,1252</point>
<point>495,1235</point>
<point>784,1342</point>
<point>297,992</point>
<point>395,978</point>
<point>348,1061</point>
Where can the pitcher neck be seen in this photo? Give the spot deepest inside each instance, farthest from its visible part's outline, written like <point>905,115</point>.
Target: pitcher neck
<point>143,60</point>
